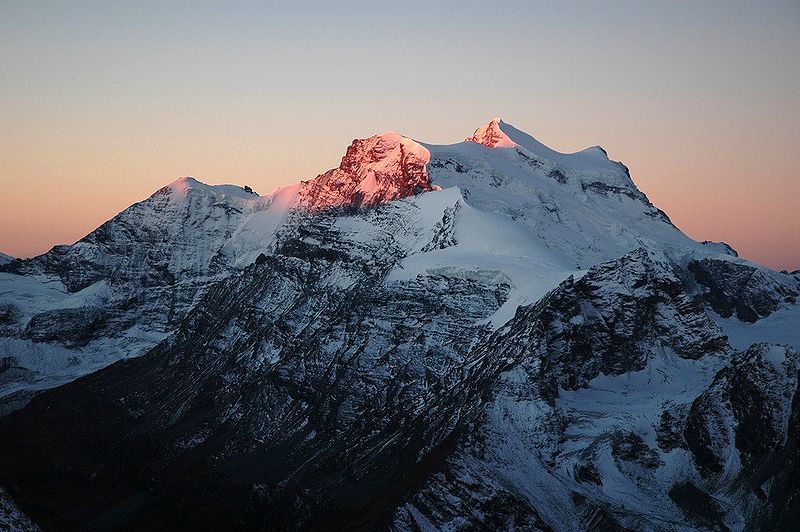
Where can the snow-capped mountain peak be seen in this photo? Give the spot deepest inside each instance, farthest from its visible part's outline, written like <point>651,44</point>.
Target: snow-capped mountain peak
<point>183,186</point>
<point>499,134</point>
<point>373,170</point>
<point>492,136</point>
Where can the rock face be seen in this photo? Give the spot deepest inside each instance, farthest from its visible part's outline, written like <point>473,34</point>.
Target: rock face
<point>744,290</point>
<point>627,414</point>
<point>374,170</point>
<point>743,431</point>
<point>73,327</point>
<point>611,321</point>
<point>486,335</point>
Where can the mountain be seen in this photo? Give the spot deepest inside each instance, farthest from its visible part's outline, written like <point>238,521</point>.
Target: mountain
<point>483,335</point>
<point>5,259</point>
<point>118,291</point>
<point>124,287</point>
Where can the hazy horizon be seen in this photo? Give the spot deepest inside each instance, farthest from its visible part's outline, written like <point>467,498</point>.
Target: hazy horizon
<point>104,104</point>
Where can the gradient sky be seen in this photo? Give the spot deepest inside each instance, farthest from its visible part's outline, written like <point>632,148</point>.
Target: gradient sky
<point>103,103</point>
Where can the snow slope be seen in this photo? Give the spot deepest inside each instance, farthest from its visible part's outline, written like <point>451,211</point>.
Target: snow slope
<point>780,328</point>
<point>582,205</point>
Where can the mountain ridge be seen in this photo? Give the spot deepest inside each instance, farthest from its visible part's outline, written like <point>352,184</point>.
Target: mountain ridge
<point>520,342</point>
<point>166,250</point>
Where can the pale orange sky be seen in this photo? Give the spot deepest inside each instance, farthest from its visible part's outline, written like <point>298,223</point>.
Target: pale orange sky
<point>102,105</point>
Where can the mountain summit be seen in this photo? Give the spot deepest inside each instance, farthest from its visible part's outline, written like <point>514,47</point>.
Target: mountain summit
<point>492,136</point>
<point>481,335</point>
<point>374,170</point>
<point>498,134</point>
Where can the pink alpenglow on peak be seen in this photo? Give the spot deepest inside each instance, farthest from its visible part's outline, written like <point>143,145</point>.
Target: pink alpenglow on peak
<point>374,170</point>
<point>593,160</point>
<point>492,136</point>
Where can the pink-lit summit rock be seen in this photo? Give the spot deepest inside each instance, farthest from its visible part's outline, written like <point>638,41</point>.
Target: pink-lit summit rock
<point>374,170</point>
<point>492,136</point>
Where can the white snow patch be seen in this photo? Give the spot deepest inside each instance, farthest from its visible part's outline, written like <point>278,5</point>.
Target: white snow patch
<point>780,327</point>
